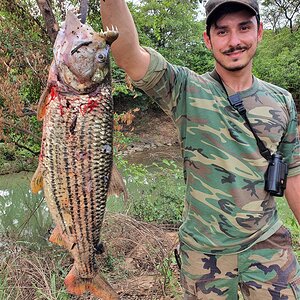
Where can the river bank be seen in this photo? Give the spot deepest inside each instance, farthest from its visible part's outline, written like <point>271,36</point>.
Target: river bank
<point>152,136</point>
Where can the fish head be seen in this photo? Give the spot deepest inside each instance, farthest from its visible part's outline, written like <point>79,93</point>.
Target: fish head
<point>81,55</point>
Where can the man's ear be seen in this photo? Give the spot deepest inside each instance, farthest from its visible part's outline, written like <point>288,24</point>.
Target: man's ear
<point>260,32</point>
<point>207,40</point>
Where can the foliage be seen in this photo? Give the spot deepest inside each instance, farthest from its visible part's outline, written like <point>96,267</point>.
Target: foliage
<point>280,64</point>
<point>172,28</point>
<point>24,56</point>
<point>158,191</point>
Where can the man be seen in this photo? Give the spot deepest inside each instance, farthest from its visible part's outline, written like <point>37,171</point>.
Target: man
<point>231,235</point>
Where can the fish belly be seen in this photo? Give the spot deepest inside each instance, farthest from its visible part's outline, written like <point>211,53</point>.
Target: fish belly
<point>76,164</point>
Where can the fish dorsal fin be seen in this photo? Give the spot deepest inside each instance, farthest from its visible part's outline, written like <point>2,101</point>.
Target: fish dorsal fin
<point>71,22</point>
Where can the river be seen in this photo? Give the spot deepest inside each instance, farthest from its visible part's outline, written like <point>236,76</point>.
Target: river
<point>25,216</point>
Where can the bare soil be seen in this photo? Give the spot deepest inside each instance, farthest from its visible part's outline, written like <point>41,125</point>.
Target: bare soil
<point>154,126</point>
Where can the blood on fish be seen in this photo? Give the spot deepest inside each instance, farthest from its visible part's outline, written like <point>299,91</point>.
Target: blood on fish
<point>91,105</point>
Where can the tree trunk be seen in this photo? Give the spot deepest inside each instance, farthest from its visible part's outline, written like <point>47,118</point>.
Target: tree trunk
<point>48,15</point>
<point>84,7</point>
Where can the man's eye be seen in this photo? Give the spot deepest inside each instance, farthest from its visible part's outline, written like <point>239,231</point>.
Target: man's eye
<point>245,28</point>
<point>221,32</point>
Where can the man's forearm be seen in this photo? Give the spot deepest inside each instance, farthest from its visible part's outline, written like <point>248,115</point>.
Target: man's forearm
<point>126,49</point>
<point>292,195</point>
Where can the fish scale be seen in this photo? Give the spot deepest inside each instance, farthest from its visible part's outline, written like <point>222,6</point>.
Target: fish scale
<point>88,185</point>
<point>76,167</point>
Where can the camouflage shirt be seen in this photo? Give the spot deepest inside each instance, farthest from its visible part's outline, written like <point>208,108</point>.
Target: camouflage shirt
<point>226,209</point>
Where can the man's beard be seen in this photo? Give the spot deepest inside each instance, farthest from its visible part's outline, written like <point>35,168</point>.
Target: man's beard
<point>238,67</point>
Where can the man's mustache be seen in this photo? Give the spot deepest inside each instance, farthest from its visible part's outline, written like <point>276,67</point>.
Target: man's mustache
<point>237,48</point>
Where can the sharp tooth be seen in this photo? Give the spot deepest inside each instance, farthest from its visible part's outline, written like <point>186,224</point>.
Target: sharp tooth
<point>107,29</point>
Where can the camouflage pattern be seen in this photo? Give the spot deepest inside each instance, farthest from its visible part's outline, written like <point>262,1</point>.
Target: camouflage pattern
<point>227,209</point>
<point>268,270</point>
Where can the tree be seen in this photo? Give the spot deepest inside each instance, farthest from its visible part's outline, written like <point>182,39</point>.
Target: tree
<point>280,64</point>
<point>172,28</point>
<point>24,58</point>
<point>28,29</point>
<point>281,13</point>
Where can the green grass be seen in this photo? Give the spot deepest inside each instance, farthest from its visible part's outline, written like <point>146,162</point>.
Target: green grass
<point>289,221</point>
<point>156,195</point>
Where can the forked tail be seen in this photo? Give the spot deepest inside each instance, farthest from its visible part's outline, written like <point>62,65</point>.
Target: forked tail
<point>98,286</point>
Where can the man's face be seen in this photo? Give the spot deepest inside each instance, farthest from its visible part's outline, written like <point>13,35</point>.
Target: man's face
<point>233,40</point>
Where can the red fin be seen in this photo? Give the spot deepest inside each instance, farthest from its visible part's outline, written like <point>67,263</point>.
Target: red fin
<point>43,102</point>
<point>98,286</point>
<point>57,238</point>
<point>49,93</point>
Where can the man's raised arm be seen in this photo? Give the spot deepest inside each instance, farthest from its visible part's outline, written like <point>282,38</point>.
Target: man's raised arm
<point>127,52</point>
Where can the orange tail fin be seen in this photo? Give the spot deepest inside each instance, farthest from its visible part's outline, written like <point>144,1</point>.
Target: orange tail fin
<point>98,286</point>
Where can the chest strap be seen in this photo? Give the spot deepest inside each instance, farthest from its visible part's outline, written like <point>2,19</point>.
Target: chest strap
<point>236,102</point>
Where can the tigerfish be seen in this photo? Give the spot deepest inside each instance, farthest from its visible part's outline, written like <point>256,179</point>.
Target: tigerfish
<point>76,168</point>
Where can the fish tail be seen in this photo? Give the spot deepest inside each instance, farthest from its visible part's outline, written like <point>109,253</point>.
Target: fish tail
<point>98,286</point>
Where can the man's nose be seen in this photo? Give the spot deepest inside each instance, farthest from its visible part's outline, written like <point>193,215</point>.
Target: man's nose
<point>234,39</point>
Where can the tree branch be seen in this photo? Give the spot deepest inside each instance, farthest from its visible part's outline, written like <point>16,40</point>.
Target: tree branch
<point>26,148</point>
<point>48,15</point>
<point>84,8</point>
<point>11,125</point>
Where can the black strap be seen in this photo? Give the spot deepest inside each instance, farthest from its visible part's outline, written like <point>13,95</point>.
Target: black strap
<point>237,103</point>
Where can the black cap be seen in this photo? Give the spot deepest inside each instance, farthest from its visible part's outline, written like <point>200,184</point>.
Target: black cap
<point>212,5</point>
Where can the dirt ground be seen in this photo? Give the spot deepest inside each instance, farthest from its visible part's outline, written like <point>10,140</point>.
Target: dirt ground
<point>155,126</point>
<point>153,273</point>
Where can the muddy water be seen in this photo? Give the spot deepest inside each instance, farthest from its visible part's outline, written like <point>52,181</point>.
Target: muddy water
<point>22,214</point>
<point>25,216</point>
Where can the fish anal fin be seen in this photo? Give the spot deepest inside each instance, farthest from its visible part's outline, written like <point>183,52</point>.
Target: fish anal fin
<point>117,185</point>
<point>36,183</point>
<point>57,238</point>
<point>98,286</point>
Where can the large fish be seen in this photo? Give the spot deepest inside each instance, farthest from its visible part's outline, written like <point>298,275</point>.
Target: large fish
<point>76,161</point>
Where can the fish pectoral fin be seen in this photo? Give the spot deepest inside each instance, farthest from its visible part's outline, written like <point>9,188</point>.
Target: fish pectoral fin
<point>48,92</point>
<point>43,102</point>
<point>36,183</point>
<point>117,185</point>
<point>98,286</point>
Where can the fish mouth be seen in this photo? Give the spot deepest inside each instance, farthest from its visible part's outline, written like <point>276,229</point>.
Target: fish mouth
<point>99,75</point>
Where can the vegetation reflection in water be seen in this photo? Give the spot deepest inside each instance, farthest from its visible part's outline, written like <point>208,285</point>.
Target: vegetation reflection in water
<point>23,215</point>
<point>156,194</point>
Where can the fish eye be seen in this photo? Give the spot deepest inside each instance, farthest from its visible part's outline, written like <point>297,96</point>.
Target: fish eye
<point>102,58</point>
